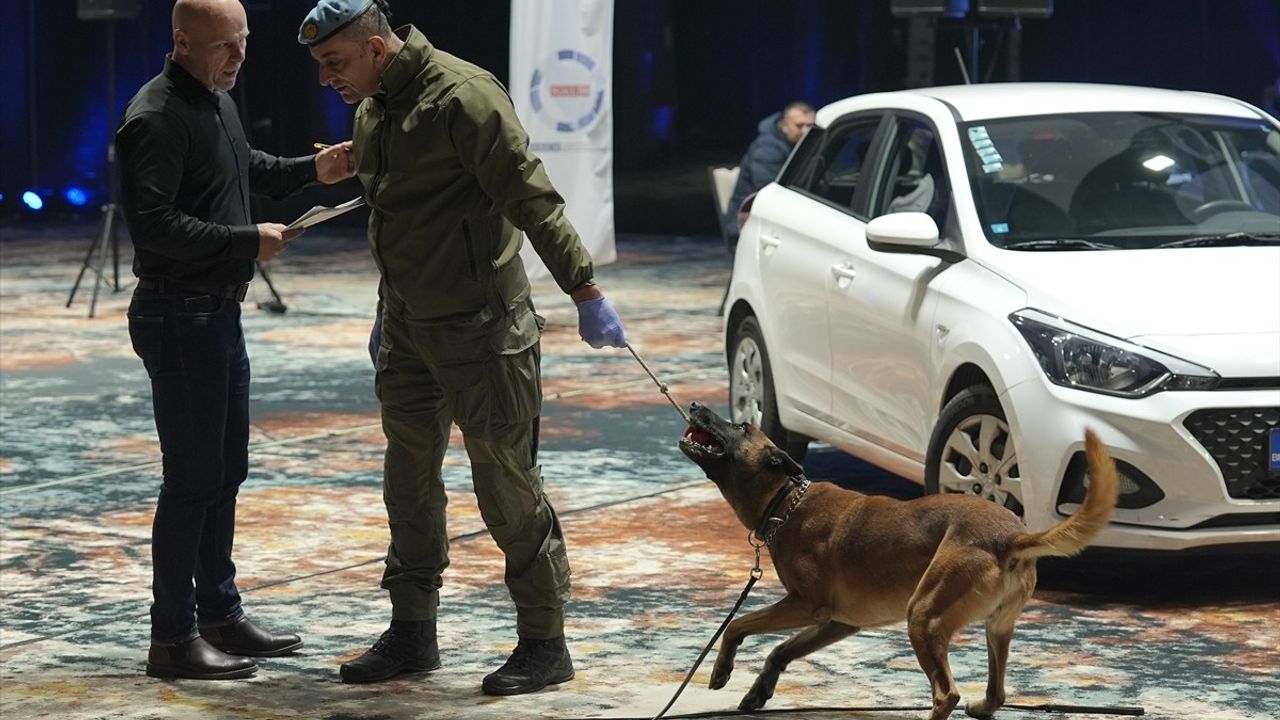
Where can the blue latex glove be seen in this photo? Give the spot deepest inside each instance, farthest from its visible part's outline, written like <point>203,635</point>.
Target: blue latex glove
<point>375,338</point>
<point>599,324</point>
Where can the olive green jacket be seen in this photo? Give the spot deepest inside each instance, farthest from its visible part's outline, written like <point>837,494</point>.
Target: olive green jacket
<point>451,182</point>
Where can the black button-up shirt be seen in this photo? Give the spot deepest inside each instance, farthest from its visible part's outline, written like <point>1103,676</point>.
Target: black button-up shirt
<point>186,173</point>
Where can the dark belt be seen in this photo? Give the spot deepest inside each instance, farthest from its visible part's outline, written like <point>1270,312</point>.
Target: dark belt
<point>228,292</point>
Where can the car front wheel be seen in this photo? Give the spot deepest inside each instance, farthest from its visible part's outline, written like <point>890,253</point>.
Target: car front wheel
<point>971,451</point>
<point>751,394</point>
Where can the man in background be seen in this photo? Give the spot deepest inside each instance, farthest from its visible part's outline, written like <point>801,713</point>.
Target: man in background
<point>765,155</point>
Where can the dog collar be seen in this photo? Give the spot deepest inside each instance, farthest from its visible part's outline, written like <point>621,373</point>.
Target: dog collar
<point>771,522</point>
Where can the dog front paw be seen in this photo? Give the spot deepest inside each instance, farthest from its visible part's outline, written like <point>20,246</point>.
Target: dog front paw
<point>981,709</point>
<point>752,701</point>
<point>719,678</point>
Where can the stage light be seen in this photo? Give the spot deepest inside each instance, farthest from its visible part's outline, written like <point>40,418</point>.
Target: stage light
<point>32,200</point>
<point>77,196</point>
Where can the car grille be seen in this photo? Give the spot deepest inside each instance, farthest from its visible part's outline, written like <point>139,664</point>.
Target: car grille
<point>1237,439</point>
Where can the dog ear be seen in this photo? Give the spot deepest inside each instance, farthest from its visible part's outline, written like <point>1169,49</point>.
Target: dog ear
<point>780,460</point>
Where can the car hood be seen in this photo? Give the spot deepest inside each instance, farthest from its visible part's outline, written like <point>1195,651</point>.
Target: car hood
<point>1201,304</point>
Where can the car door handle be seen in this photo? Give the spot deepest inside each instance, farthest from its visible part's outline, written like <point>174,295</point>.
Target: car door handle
<point>845,273</point>
<point>769,242</point>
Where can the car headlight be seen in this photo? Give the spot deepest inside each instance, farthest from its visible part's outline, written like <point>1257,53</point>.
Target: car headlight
<point>1077,357</point>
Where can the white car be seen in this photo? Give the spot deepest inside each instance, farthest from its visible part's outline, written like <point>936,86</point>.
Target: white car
<point>953,283</point>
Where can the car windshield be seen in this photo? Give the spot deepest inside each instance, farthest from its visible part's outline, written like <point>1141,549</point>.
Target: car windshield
<point>1124,180</point>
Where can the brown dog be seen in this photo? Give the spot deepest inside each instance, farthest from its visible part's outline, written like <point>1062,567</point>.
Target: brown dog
<point>850,561</point>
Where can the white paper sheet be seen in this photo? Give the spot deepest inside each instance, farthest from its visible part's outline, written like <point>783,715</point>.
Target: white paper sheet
<point>320,213</point>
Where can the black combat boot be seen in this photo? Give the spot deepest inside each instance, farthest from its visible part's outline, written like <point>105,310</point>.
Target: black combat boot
<point>407,646</point>
<point>533,665</point>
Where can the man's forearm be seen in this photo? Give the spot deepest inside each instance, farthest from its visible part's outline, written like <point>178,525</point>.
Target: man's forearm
<point>279,177</point>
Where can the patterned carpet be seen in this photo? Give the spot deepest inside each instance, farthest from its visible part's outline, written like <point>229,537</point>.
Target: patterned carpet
<point>658,558</point>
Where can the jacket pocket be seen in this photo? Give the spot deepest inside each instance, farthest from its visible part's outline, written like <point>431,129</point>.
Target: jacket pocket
<point>490,372</point>
<point>523,331</point>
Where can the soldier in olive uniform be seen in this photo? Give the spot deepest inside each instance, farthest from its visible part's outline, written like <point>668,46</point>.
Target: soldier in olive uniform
<point>451,184</point>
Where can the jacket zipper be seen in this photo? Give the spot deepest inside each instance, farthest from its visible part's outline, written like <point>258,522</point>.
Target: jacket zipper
<point>471,251</point>
<point>376,185</point>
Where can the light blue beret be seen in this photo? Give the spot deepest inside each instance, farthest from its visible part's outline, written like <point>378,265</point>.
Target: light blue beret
<point>328,17</point>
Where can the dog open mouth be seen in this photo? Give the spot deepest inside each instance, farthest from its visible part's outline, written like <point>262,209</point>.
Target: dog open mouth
<point>699,442</point>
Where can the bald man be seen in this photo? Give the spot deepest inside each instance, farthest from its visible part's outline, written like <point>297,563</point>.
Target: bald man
<point>187,171</point>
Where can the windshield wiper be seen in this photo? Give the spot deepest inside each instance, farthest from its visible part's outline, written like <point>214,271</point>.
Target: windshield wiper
<point>1224,240</point>
<point>1061,244</point>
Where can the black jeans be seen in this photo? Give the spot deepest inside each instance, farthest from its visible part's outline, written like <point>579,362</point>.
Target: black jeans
<point>192,346</point>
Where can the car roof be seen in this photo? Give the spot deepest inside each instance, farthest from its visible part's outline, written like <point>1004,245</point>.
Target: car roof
<point>999,100</point>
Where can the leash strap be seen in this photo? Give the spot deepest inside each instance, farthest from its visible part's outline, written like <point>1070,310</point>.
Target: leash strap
<point>1130,710</point>
<point>755,575</point>
<point>661,385</point>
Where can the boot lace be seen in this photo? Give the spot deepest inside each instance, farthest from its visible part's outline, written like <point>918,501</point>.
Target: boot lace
<point>532,657</point>
<point>395,645</point>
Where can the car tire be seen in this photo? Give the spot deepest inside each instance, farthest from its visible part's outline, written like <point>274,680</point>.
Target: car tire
<point>751,393</point>
<point>957,461</point>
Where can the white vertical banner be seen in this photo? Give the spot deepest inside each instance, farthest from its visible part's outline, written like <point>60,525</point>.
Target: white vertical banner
<point>562,86</point>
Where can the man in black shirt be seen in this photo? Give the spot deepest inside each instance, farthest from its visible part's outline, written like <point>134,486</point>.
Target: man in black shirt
<point>187,173</point>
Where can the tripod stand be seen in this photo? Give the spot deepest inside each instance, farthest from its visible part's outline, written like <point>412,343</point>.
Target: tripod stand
<point>107,238</point>
<point>276,303</point>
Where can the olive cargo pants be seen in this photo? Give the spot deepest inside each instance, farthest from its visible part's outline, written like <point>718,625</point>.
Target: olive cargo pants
<point>483,374</point>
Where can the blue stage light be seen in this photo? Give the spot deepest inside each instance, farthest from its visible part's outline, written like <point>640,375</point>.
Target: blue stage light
<point>76,196</point>
<point>32,200</point>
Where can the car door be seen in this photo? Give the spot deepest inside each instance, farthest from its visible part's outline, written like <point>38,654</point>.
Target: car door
<point>881,307</point>
<point>802,229</point>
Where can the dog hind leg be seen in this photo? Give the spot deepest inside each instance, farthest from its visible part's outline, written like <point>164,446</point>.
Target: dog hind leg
<point>812,638</point>
<point>959,587</point>
<point>786,614</point>
<point>930,638</point>
<point>999,632</point>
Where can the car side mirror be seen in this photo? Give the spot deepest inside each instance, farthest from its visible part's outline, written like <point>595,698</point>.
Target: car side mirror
<point>908,232</point>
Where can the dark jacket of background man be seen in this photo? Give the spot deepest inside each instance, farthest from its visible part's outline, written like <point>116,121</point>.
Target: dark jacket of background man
<point>759,165</point>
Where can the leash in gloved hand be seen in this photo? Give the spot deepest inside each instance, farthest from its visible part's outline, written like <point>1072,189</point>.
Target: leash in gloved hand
<point>661,385</point>
<point>757,573</point>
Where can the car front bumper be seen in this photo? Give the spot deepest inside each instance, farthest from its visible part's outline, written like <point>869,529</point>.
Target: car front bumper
<point>1048,423</point>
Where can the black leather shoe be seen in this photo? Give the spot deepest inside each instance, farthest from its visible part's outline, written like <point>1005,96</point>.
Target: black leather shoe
<point>198,660</point>
<point>405,647</point>
<point>533,665</point>
<point>242,637</point>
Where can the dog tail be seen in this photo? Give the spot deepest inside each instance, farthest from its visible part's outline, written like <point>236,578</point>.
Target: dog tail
<point>1072,535</point>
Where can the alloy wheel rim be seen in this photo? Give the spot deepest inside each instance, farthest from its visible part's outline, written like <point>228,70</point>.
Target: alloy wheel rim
<point>746,383</point>
<point>980,459</point>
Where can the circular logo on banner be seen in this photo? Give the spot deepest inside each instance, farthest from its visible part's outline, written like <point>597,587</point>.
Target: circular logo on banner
<point>567,91</point>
